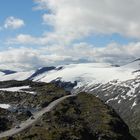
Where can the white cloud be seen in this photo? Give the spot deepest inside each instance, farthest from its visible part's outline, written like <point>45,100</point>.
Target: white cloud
<point>112,53</point>
<point>93,16</point>
<point>13,23</point>
<point>76,19</point>
<point>29,58</point>
<point>45,39</point>
<point>23,39</point>
<point>41,5</point>
<point>22,58</point>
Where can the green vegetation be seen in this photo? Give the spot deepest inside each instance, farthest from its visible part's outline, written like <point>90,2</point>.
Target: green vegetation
<point>83,117</point>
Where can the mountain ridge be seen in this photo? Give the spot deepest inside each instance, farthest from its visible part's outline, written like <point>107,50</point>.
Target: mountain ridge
<point>119,87</point>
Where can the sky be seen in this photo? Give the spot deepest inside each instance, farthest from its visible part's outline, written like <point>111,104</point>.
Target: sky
<point>37,33</point>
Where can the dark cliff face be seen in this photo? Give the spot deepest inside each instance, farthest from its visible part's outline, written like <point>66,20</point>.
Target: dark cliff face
<point>84,117</point>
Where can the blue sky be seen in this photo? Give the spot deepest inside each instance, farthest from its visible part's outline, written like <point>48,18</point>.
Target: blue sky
<point>92,31</point>
<point>22,9</point>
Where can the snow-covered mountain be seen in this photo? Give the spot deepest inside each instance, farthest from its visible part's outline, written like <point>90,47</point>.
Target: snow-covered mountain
<point>90,73</point>
<point>118,87</point>
<point>24,75</point>
<point>86,73</point>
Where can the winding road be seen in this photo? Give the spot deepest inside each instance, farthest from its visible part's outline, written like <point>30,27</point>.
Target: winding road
<point>30,121</point>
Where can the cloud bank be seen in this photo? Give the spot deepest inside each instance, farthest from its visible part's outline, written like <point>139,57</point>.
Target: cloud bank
<point>29,58</point>
<point>80,18</point>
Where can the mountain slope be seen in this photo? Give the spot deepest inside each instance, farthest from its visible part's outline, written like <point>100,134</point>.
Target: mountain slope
<point>83,118</point>
<point>118,87</point>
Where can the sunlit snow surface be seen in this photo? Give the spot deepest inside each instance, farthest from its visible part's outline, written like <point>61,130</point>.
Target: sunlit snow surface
<point>88,74</point>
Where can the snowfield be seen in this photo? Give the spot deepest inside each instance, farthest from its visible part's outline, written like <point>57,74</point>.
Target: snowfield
<point>86,73</point>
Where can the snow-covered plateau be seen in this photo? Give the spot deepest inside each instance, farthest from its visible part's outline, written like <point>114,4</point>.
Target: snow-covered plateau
<point>85,73</point>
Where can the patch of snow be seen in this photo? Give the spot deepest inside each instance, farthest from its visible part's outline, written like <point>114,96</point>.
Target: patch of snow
<point>119,101</point>
<point>13,89</point>
<point>124,97</point>
<point>116,98</point>
<point>5,106</point>
<point>113,99</point>
<point>18,89</point>
<point>134,104</point>
<point>110,100</point>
